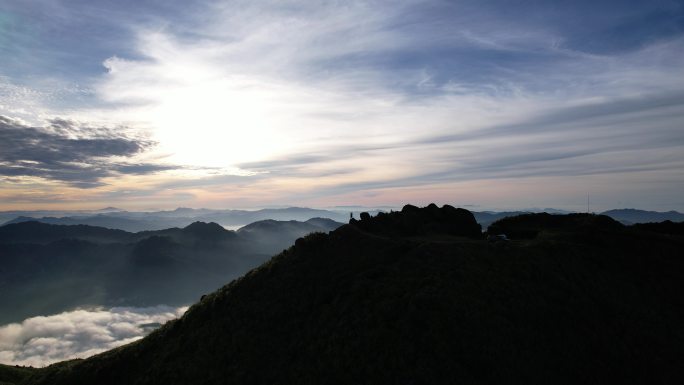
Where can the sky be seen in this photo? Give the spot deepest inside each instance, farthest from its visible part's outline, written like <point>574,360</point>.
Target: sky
<point>152,104</point>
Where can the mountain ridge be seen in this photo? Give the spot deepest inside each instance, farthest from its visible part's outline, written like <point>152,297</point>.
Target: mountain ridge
<point>160,220</point>
<point>630,216</point>
<point>181,217</point>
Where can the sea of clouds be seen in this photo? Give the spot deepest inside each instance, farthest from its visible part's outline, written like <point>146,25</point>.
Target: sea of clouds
<point>43,340</point>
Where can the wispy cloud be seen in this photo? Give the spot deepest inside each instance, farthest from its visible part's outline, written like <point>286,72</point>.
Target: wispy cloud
<point>318,99</point>
<point>66,151</point>
<point>40,341</point>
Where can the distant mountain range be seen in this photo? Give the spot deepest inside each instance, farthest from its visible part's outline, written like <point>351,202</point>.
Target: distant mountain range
<point>629,216</point>
<point>422,297</point>
<point>625,216</point>
<point>46,268</point>
<point>181,217</point>
<point>147,221</point>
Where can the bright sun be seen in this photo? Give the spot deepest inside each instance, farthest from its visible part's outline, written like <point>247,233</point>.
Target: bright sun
<point>217,124</point>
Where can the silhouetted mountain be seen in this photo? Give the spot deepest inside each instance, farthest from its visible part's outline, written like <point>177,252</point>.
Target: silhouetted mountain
<point>529,226</point>
<point>208,231</point>
<point>293,213</point>
<point>6,216</point>
<point>151,221</point>
<point>393,300</point>
<point>486,218</point>
<point>37,232</point>
<point>278,235</point>
<point>325,224</point>
<point>180,217</point>
<point>108,221</point>
<point>629,216</point>
<point>109,209</point>
<point>413,221</point>
<point>46,269</point>
<point>112,221</point>
<point>21,219</point>
<point>667,227</point>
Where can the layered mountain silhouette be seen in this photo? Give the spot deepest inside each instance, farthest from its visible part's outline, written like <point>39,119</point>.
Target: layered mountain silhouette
<point>624,216</point>
<point>180,217</point>
<point>420,297</point>
<point>46,269</point>
<point>158,220</point>
<point>629,216</point>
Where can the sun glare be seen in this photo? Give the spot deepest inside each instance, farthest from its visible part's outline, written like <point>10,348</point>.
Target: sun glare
<point>216,124</point>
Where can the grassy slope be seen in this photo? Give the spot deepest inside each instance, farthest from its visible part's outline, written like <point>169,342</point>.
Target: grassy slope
<point>596,305</point>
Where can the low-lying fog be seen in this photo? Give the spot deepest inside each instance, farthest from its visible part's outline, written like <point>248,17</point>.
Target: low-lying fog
<point>43,340</point>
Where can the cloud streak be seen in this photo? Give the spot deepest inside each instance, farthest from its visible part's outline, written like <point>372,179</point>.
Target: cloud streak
<point>40,341</point>
<point>64,151</point>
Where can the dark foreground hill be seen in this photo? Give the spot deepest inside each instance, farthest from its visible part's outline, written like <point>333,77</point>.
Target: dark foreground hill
<point>385,300</point>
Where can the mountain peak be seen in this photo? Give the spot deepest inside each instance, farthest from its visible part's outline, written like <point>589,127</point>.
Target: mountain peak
<point>109,209</point>
<point>414,221</point>
<point>203,229</point>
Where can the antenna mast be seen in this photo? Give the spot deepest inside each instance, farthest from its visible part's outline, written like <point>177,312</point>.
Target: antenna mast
<point>588,203</point>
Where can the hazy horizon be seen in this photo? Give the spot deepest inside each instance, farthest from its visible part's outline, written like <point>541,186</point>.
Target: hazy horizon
<point>341,208</point>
